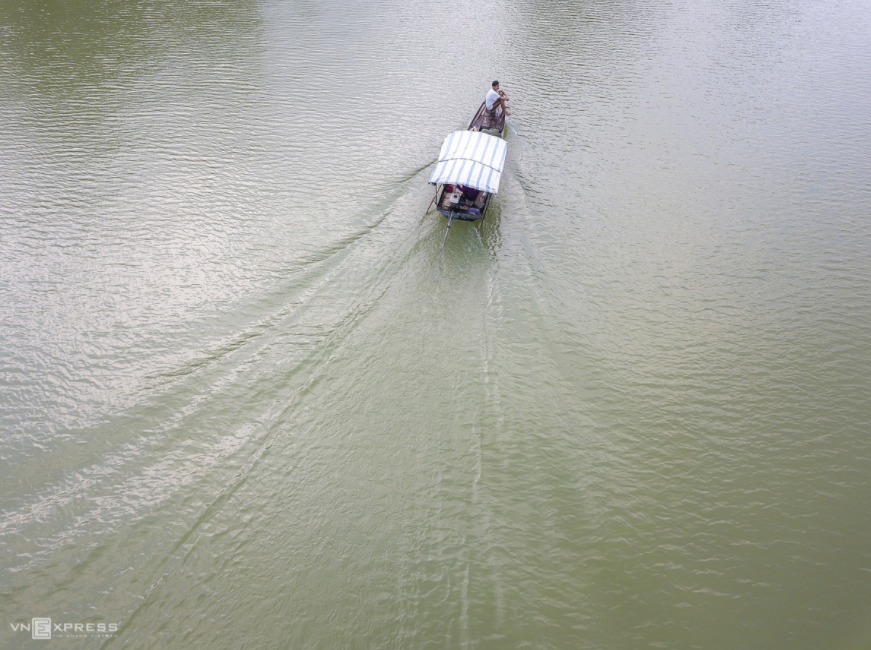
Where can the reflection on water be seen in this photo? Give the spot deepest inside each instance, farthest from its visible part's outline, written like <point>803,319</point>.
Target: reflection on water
<point>627,410</point>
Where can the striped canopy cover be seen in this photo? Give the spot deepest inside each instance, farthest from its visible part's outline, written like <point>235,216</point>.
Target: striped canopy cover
<point>471,158</point>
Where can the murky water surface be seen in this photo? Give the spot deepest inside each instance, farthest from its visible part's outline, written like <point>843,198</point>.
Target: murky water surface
<point>630,409</point>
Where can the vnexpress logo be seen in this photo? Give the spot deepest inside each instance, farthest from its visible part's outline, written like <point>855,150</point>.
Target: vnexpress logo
<point>41,628</point>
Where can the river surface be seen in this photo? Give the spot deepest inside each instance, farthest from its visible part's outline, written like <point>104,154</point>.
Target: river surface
<point>241,406</point>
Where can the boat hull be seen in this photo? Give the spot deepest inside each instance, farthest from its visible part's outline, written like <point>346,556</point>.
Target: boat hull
<point>481,122</point>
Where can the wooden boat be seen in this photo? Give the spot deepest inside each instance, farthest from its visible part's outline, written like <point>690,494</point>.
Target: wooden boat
<point>469,168</point>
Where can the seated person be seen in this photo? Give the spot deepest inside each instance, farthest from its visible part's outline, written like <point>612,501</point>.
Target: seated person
<point>470,199</point>
<point>497,99</point>
<point>469,192</point>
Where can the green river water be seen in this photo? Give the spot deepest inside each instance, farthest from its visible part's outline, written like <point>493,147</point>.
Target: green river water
<point>240,407</point>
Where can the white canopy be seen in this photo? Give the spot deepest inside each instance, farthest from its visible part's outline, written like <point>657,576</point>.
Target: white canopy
<point>471,158</point>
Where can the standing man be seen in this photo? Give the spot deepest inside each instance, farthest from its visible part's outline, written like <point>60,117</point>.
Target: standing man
<point>496,98</point>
